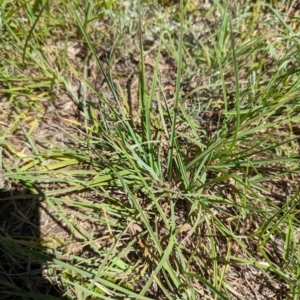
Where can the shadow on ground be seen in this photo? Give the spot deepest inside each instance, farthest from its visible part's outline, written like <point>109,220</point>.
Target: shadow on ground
<point>22,266</point>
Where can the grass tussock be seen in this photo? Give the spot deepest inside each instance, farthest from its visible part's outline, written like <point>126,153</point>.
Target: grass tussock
<point>149,150</point>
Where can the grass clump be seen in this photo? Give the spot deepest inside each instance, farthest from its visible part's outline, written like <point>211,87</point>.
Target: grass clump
<point>149,151</point>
